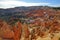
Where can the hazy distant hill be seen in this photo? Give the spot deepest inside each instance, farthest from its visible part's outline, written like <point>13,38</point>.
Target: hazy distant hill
<point>24,12</point>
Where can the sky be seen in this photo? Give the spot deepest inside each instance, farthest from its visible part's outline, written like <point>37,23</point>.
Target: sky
<point>17,3</point>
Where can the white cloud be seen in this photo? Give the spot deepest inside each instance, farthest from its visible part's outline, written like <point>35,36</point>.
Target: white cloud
<point>54,5</point>
<point>14,3</point>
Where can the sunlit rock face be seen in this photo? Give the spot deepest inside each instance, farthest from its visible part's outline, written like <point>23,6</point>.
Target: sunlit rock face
<point>30,23</point>
<point>6,31</point>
